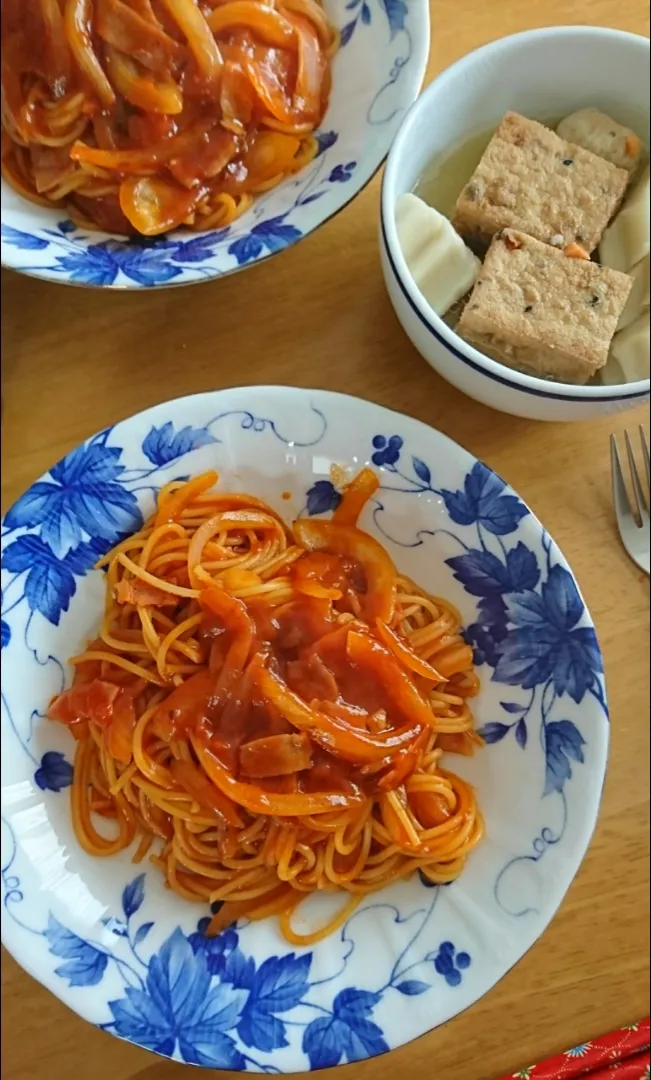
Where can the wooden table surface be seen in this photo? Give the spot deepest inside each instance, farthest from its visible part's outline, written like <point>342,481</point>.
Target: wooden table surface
<point>75,361</point>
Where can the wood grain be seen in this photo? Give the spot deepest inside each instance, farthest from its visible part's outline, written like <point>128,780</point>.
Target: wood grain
<point>76,361</point>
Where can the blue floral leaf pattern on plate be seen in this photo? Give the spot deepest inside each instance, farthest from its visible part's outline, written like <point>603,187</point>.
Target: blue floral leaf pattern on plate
<point>108,510</point>
<point>216,949</point>
<point>163,445</point>
<point>412,987</point>
<point>322,497</point>
<point>94,265</point>
<point>347,1033</point>
<point>85,965</point>
<point>325,140</point>
<point>34,506</point>
<point>527,609</point>
<point>513,708</point>
<point>50,585</point>
<point>180,1007</point>
<point>305,199</point>
<point>563,604</point>
<point>527,657</point>
<point>92,462</point>
<point>396,13</point>
<point>485,575</point>
<point>522,570</point>
<point>146,266</point>
<point>6,634</point>
<point>83,558</point>
<point>20,555</point>
<point>218,1052</point>
<point>275,233</point>
<point>199,248</point>
<point>544,642</point>
<point>480,572</point>
<point>503,515</point>
<point>133,895</point>
<point>246,249</point>
<point>422,470</point>
<point>346,34</point>
<point>279,985</point>
<point>458,507</point>
<point>262,1030</point>
<point>54,772</point>
<point>563,741</point>
<point>579,662</point>
<point>238,969</point>
<point>482,502</point>
<point>323,1042</point>
<point>61,530</point>
<point>281,982</point>
<point>22,240</point>
<point>354,1007</point>
<point>493,732</point>
<point>91,495</point>
<point>482,486</point>
<point>521,733</point>
<point>85,496</point>
<point>141,933</point>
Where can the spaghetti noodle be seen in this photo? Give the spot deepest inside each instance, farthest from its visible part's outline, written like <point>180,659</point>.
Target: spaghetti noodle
<point>139,116</point>
<point>265,709</point>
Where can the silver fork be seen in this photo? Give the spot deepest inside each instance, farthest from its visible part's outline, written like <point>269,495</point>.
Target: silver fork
<point>632,518</point>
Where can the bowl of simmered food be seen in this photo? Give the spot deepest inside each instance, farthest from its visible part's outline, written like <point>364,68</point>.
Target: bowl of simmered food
<point>515,223</point>
<point>168,142</point>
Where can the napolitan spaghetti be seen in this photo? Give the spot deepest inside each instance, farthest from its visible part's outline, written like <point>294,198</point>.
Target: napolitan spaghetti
<point>139,116</point>
<point>265,709</point>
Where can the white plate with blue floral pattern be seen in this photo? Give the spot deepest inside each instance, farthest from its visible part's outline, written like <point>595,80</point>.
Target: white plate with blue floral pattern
<point>132,958</point>
<point>377,74</point>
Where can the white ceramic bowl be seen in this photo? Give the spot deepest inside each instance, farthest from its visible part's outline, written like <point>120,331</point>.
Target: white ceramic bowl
<point>105,936</point>
<point>377,74</point>
<point>542,74</point>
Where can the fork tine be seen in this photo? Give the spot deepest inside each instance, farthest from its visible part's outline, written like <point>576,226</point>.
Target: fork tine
<point>645,455</point>
<point>640,502</point>
<point>620,494</point>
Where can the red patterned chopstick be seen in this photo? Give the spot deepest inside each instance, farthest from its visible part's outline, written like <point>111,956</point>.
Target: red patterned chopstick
<point>632,1068</point>
<point>621,1055</point>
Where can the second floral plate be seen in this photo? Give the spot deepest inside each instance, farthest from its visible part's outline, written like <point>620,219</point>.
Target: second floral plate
<point>132,958</point>
<point>377,74</point>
